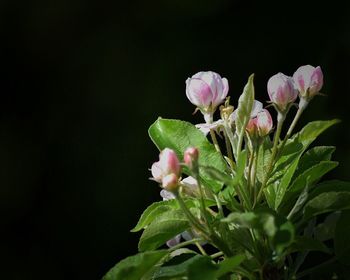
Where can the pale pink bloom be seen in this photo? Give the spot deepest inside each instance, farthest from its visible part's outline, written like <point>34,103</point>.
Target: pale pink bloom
<point>206,90</point>
<point>308,80</point>
<point>281,91</point>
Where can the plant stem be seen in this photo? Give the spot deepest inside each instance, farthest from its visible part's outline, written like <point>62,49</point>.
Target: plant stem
<point>218,203</point>
<point>203,207</point>
<point>191,218</point>
<point>201,249</point>
<point>215,141</point>
<point>209,120</point>
<point>228,146</point>
<point>281,118</point>
<point>230,136</point>
<point>216,255</point>
<point>255,170</point>
<point>185,243</point>
<point>301,109</point>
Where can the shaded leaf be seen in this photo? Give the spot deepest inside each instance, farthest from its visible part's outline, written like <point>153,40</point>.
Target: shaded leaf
<point>163,228</point>
<point>314,156</point>
<point>341,238</point>
<point>153,211</point>
<point>327,202</point>
<point>135,267</point>
<point>304,243</point>
<point>197,267</point>
<point>326,230</point>
<point>229,265</point>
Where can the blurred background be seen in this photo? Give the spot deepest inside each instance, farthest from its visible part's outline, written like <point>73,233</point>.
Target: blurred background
<point>81,81</point>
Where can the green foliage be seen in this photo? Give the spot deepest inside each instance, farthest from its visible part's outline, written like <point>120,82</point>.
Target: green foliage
<point>245,106</point>
<point>262,211</point>
<point>163,228</point>
<point>341,240</point>
<point>197,267</point>
<point>136,267</point>
<point>153,211</point>
<point>179,135</point>
<point>278,229</point>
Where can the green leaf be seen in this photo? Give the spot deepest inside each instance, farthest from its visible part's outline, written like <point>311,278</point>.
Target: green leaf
<point>197,267</point>
<point>135,267</point>
<point>244,109</point>
<point>179,135</point>
<point>277,228</point>
<point>263,159</point>
<point>304,243</point>
<point>341,239</point>
<point>326,230</point>
<point>229,265</point>
<point>309,177</point>
<point>287,163</point>
<point>313,129</point>
<point>153,211</point>
<point>281,177</point>
<point>314,156</point>
<point>330,186</point>
<point>163,228</point>
<point>327,202</point>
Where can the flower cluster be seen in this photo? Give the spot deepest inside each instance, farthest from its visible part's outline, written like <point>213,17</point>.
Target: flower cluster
<point>246,184</point>
<point>207,90</point>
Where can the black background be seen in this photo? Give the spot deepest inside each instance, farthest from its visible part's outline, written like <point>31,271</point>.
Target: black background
<point>80,82</point>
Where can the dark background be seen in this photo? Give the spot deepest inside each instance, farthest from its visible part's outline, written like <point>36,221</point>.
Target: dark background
<point>81,82</point>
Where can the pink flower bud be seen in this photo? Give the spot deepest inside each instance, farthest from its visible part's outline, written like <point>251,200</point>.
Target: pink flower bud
<point>168,161</point>
<point>167,170</point>
<point>206,90</point>
<point>281,91</point>
<point>308,80</point>
<point>191,156</point>
<point>264,122</point>
<point>252,127</point>
<point>260,125</point>
<point>170,182</point>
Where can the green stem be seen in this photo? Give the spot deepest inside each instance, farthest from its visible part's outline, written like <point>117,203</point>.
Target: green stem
<point>191,218</point>
<point>216,255</point>
<point>228,147</point>
<point>276,138</point>
<point>185,243</point>
<point>201,249</point>
<point>302,107</point>
<point>215,141</point>
<point>218,204</point>
<point>230,136</point>
<point>209,120</point>
<point>254,171</point>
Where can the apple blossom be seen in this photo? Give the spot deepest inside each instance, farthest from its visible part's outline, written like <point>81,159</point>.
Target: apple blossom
<point>308,80</point>
<point>206,90</point>
<point>281,91</point>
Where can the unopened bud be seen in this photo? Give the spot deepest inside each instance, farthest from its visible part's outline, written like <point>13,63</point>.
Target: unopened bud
<point>308,80</point>
<point>191,157</point>
<point>281,91</point>
<point>170,182</point>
